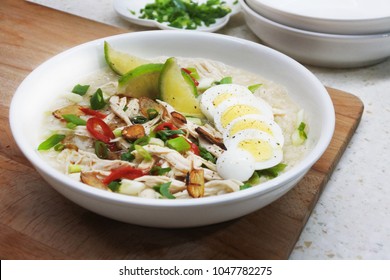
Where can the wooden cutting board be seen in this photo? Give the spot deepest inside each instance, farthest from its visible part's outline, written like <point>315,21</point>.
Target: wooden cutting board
<point>38,223</point>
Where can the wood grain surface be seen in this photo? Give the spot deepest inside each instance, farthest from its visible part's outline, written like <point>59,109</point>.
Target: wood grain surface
<point>38,223</point>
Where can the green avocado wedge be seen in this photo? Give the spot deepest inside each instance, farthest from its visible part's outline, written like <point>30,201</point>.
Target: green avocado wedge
<point>141,81</point>
<point>178,89</point>
<point>121,62</point>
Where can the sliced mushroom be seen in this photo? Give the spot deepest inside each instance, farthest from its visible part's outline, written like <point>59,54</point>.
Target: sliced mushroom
<point>211,138</point>
<point>178,119</point>
<point>133,132</point>
<point>70,109</point>
<point>195,183</point>
<point>91,178</point>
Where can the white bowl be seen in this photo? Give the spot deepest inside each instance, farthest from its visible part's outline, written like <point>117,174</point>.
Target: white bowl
<point>47,81</point>
<point>348,17</point>
<point>321,49</point>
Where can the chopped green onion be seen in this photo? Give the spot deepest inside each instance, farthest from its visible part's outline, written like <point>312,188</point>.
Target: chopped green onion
<point>254,179</point>
<point>144,153</point>
<point>114,186</point>
<point>80,89</point>
<point>165,134</point>
<point>71,125</point>
<point>142,141</point>
<point>101,149</point>
<point>70,118</point>
<point>51,142</point>
<point>128,156</point>
<point>139,120</point>
<point>59,147</point>
<point>245,186</point>
<point>226,80</point>
<point>301,129</point>
<point>158,170</point>
<point>97,101</point>
<point>74,168</point>
<point>254,87</point>
<point>179,144</point>
<point>272,172</point>
<point>299,136</point>
<point>152,113</point>
<point>206,155</point>
<point>163,189</point>
<point>117,132</point>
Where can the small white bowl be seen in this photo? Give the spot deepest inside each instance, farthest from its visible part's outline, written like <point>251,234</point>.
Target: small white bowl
<point>357,17</point>
<point>47,82</point>
<point>320,49</point>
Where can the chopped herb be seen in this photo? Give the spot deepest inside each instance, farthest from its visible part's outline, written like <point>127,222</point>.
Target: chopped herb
<point>245,186</point>
<point>101,149</point>
<point>152,113</point>
<point>225,80</point>
<point>70,118</point>
<point>273,171</point>
<point>179,144</point>
<point>301,129</point>
<point>254,87</point>
<point>165,134</point>
<point>144,153</point>
<point>142,141</point>
<point>59,147</point>
<point>206,155</point>
<point>51,142</point>
<point>139,120</point>
<point>80,89</point>
<point>128,156</point>
<point>74,168</point>
<point>71,125</point>
<point>158,170</point>
<point>185,14</point>
<point>163,189</point>
<point>97,101</point>
<point>114,186</point>
<point>254,179</point>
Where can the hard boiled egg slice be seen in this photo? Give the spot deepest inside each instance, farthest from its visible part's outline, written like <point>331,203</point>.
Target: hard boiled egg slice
<point>235,164</point>
<point>265,150</point>
<point>232,109</point>
<point>257,122</point>
<point>216,95</point>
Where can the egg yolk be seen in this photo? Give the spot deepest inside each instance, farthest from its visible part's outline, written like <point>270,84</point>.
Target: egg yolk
<point>259,149</point>
<point>221,98</point>
<point>249,124</point>
<point>237,111</point>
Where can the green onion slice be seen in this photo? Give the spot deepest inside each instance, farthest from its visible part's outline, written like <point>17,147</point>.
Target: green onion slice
<point>80,89</point>
<point>70,118</point>
<point>51,142</point>
<point>163,189</point>
<point>97,101</point>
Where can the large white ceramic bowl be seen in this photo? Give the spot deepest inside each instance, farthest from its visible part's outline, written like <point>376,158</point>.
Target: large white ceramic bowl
<point>321,49</point>
<point>47,81</point>
<point>350,17</point>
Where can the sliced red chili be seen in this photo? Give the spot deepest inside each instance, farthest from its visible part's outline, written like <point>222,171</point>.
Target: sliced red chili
<point>91,112</point>
<point>165,125</point>
<point>194,148</point>
<point>125,172</point>
<point>100,130</point>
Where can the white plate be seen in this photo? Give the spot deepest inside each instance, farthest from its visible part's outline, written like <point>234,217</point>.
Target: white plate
<point>320,49</point>
<point>328,16</point>
<point>123,8</point>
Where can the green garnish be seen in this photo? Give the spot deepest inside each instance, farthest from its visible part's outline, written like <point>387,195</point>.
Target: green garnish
<point>74,168</point>
<point>114,186</point>
<point>165,134</point>
<point>152,113</point>
<point>206,155</point>
<point>97,101</point>
<point>273,171</point>
<point>158,170</point>
<point>185,14</point>
<point>80,89</point>
<point>144,153</point>
<point>139,120</point>
<point>226,80</point>
<point>245,186</point>
<point>142,141</point>
<point>51,142</point>
<point>254,179</point>
<point>254,87</point>
<point>70,118</point>
<point>301,129</point>
<point>101,149</point>
<point>163,189</point>
<point>179,144</point>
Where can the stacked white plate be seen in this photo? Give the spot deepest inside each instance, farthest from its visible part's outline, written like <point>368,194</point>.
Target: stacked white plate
<point>331,33</point>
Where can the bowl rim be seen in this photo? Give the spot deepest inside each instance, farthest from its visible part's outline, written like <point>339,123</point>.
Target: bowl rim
<point>247,9</point>
<point>304,165</point>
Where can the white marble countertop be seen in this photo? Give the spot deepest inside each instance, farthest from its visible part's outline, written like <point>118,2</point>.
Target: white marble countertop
<point>352,217</point>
